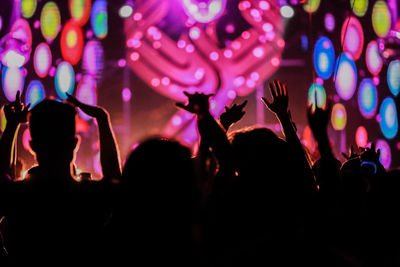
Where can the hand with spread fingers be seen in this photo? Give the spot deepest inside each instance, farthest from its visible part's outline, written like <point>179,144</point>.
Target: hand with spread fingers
<point>280,98</point>
<point>16,112</point>
<point>318,119</point>
<point>351,154</point>
<point>232,115</point>
<point>198,103</point>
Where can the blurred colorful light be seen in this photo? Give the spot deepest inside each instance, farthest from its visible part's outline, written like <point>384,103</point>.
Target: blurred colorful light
<point>367,98</point>
<point>125,11</point>
<point>35,93</point>
<point>93,57</point>
<point>86,93</point>
<point>99,19</point>
<point>360,7</point>
<point>346,78</point>
<point>50,21</point>
<point>3,120</point>
<point>381,18</point>
<point>329,22</point>
<point>324,57</point>
<point>71,42</point>
<point>287,11</point>
<point>13,81</point>
<point>28,8</point>
<point>373,58</point>
<point>361,137</point>
<point>204,11</point>
<point>385,156</point>
<point>388,114</point>
<point>80,11</point>
<point>64,79</point>
<point>393,77</point>
<point>338,117</point>
<point>42,60</point>
<point>26,137</point>
<point>318,90</point>
<point>352,37</point>
<point>311,5</point>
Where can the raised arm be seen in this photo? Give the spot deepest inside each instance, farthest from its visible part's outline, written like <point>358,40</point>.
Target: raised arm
<point>109,155</point>
<point>15,113</point>
<point>232,115</point>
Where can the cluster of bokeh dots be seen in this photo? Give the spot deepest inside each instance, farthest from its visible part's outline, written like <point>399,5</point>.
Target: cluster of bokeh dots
<point>376,106</point>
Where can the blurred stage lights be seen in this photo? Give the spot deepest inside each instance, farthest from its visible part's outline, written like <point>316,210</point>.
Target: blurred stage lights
<point>373,58</point>
<point>385,156</point>
<point>388,114</point>
<point>393,77</point>
<point>42,60</point>
<point>28,8</point>
<point>80,11</point>
<point>287,12</point>
<point>35,93</point>
<point>338,117</point>
<point>359,7</point>
<point>86,93</point>
<point>99,19</point>
<point>381,18</point>
<point>324,57</point>
<point>71,42</point>
<point>346,78</point>
<point>50,21</point>
<point>311,5</point>
<point>125,11</point>
<point>13,81</point>
<point>367,98</point>
<point>353,38</point>
<point>329,22</point>
<point>64,79</point>
<point>318,90</point>
<point>361,137</point>
<point>204,11</point>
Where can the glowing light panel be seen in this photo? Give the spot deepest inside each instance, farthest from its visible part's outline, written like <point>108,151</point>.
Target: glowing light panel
<point>311,5</point>
<point>86,93</point>
<point>321,96</point>
<point>50,21</point>
<point>99,19</point>
<point>42,60</point>
<point>13,81</point>
<point>80,11</point>
<point>93,57</point>
<point>71,42</point>
<point>360,7</point>
<point>388,113</point>
<point>381,19</point>
<point>204,11</point>
<point>373,58</point>
<point>393,77</point>
<point>346,78</point>
<point>35,93</point>
<point>28,8</point>
<point>324,57</point>
<point>385,157</point>
<point>367,98</point>
<point>353,38</point>
<point>64,79</point>
<point>338,117</point>
<point>361,137</point>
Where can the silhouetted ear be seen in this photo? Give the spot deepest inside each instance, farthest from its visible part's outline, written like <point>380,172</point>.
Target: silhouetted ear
<point>77,142</point>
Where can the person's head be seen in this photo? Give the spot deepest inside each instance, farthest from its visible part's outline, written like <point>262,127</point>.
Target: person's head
<point>52,129</point>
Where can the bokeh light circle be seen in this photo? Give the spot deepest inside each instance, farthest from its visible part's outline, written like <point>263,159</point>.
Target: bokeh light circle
<point>42,60</point>
<point>346,78</point>
<point>80,11</point>
<point>28,8</point>
<point>311,5</point>
<point>13,79</point>
<point>204,11</point>
<point>50,21</point>
<point>329,22</point>
<point>367,98</point>
<point>321,96</point>
<point>360,7</point>
<point>338,117</point>
<point>92,61</point>
<point>389,122</point>
<point>35,93</point>
<point>3,120</point>
<point>86,93</point>
<point>385,157</point>
<point>373,58</point>
<point>71,42</point>
<point>99,19</point>
<point>64,79</point>
<point>381,18</point>
<point>393,77</point>
<point>352,37</point>
<point>361,137</point>
<point>324,57</point>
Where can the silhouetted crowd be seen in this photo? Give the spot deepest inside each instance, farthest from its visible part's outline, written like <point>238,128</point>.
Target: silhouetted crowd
<point>246,198</point>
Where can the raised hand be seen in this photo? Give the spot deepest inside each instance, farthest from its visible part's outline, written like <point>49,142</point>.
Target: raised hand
<point>280,98</point>
<point>198,103</point>
<point>232,115</point>
<point>16,112</point>
<point>92,111</point>
<point>370,154</point>
<point>351,154</point>
<point>319,119</point>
